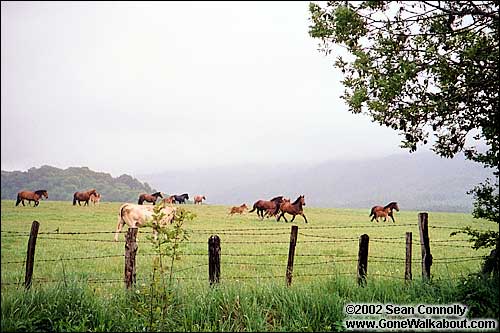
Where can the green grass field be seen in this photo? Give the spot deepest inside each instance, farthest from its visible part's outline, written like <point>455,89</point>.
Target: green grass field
<point>78,272</point>
<point>252,250</point>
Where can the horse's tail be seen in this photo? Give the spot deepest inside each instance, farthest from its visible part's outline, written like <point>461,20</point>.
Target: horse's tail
<point>139,202</point>
<point>18,199</point>
<point>74,199</point>
<point>372,212</point>
<point>254,208</point>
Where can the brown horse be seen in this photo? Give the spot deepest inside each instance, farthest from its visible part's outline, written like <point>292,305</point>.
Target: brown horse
<point>83,196</point>
<point>169,200</point>
<point>149,197</point>
<point>271,207</point>
<point>387,210</point>
<point>238,210</point>
<point>294,208</point>
<point>95,198</point>
<point>31,196</point>
<point>199,199</point>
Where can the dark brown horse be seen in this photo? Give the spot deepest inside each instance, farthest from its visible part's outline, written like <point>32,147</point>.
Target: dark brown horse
<point>83,196</point>
<point>294,208</point>
<point>149,197</point>
<point>271,207</point>
<point>387,210</point>
<point>31,196</point>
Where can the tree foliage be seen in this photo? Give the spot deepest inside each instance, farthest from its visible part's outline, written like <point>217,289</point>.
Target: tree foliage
<point>426,69</point>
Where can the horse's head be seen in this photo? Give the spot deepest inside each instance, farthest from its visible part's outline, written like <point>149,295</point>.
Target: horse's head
<point>302,200</point>
<point>43,193</point>
<point>244,206</point>
<point>395,206</point>
<point>203,197</point>
<point>185,195</point>
<point>157,194</point>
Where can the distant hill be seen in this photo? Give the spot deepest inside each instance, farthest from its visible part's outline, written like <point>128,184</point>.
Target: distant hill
<point>421,181</point>
<point>61,184</point>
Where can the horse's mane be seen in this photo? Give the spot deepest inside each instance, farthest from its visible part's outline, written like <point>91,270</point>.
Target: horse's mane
<point>156,194</point>
<point>297,200</point>
<point>40,192</point>
<point>390,204</point>
<point>277,198</point>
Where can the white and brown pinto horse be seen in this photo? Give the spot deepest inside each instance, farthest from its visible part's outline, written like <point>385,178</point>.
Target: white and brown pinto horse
<point>136,216</point>
<point>199,199</point>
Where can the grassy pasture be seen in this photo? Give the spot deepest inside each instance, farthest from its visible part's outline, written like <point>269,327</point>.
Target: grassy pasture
<point>253,251</point>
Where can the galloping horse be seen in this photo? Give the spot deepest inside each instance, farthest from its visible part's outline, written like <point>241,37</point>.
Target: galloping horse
<point>95,198</point>
<point>149,197</point>
<point>136,216</point>
<point>271,207</point>
<point>31,196</point>
<point>199,199</point>
<point>238,210</point>
<point>181,198</point>
<point>83,196</point>
<point>294,208</point>
<point>379,211</point>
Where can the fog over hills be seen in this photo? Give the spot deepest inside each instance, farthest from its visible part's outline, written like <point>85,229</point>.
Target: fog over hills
<point>419,181</point>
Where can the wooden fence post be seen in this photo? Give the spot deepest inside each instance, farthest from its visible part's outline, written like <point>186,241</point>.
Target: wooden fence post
<point>214,259</point>
<point>424,245</point>
<point>291,254</point>
<point>408,276</point>
<point>30,255</point>
<point>130,252</point>
<point>363,259</point>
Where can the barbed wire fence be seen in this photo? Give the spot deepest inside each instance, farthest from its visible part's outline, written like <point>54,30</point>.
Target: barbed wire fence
<point>243,259</point>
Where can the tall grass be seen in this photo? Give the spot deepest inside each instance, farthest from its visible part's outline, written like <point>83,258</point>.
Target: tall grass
<point>316,306</point>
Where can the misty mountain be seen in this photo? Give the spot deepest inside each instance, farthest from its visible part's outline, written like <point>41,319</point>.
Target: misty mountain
<point>421,181</point>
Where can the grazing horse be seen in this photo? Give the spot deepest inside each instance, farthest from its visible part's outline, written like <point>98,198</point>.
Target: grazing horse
<point>238,210</point>
<point>149,197</point>
<point>181,198</point>
<point>294,208</point>
<point>271,207</point>
<point>199,199</point>
<point>136,216</point>
<point>31,196</point>
<point>387,210</point>
<point>83,196</point>
<point>95,198</point>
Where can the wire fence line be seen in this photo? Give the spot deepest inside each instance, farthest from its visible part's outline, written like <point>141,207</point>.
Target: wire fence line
<point>333,257</point>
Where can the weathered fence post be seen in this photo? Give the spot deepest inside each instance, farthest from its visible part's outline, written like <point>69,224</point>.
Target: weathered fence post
<point>291,254</point>
<point>214,259</point>
<point>408,257</point>
<point>130,252</point>
<point>424,245</point>
<point>30,256</point>
<point>363,259</point>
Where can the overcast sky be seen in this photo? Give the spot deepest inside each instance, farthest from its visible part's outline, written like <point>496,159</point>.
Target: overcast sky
<point>140,87</point>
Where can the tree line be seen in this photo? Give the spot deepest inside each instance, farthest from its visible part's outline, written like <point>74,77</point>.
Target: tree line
<point>62,184</point>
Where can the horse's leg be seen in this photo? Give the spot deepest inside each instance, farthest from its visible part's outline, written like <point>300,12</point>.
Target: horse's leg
<point>304,216</point>
<point>36,203</point>
<point>119,227</point>
<point>22,201</point>
<point>293,218</point>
